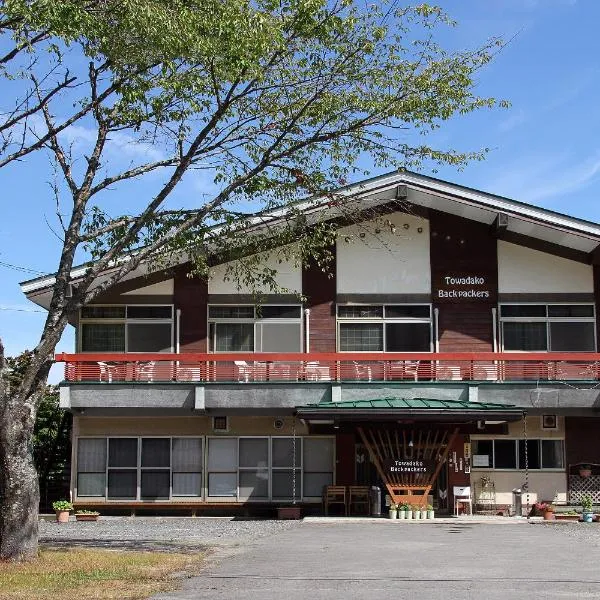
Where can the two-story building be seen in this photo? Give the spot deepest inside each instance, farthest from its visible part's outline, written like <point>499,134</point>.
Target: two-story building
<point>452,343</point>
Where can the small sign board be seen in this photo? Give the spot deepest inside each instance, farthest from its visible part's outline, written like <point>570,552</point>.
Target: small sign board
<point>396,466</point>
<point>481,460</point>
<point>467,450</point>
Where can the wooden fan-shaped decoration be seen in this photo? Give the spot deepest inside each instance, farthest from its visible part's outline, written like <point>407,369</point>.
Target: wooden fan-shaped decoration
<point>408,460</point>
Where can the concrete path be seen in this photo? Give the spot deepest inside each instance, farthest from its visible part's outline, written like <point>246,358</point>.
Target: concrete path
<point>393,560</point>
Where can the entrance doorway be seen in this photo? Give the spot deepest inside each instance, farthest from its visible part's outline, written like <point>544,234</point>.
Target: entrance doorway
<point>365,473</point>
<point>409,464</point>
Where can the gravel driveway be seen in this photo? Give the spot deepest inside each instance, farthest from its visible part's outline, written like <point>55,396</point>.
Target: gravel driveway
<point>160,533</point>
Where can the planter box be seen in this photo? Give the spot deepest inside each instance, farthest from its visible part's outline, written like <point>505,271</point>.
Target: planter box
<point>289,512</point>
<point>86,517</point>
<point>560,517</point>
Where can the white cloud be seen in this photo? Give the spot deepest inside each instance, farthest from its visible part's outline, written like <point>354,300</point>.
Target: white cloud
<point>536,179</point>
<point>119,145</point>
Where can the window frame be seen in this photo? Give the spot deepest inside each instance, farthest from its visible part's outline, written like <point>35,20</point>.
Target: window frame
<point>204,474</point>
<point>547,320</point>
<point>256,321</point>
<point>383,321</point>
<point>138,468</point>
<point>125,321</point>
<point>516,441</point>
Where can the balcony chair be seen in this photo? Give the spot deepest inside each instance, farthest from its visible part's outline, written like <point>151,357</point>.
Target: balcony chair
<point>106,371</point>
<point>335,494</point>
<point>244,370</point>
<point>146,371</point>
<point>362,372</point>
<point>462,496</point>
<point>316,372</point>
<point>411,367</point>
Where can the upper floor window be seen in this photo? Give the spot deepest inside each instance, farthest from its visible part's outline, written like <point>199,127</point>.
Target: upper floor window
<point>384,328</point>
<point>249,328</point>
<point>133,328</point>
<point>548,327</point>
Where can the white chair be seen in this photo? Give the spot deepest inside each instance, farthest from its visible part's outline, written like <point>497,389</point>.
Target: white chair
<point>244,370</point>
<point>315,372</point>
<point>462,496</point>
<point>362,372</point>
<point>146,371</point>
<point>106,371</point>
<point>411,367</point>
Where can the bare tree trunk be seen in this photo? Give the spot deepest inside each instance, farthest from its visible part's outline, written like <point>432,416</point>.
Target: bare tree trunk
<point>19,489</point>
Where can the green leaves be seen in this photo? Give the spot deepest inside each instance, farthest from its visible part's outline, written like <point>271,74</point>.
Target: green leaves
<point>276,100</point>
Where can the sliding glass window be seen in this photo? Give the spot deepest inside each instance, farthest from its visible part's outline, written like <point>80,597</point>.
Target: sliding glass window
<point>249,328</point>
<point>384,328</point>
<point>132,328</point>
<point>146,468</point>
<point>548,327</point>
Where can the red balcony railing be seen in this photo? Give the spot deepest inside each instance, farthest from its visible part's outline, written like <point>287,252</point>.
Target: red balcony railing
<point>321,367</point>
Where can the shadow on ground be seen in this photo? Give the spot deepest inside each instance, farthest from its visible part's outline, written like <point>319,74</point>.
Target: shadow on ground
<point>139,545</point>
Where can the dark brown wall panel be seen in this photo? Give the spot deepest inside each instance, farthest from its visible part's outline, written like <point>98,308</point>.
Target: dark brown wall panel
<point>461,248</point>
<point>597,297</point>
<point>320,290</point>
<point>344,451</point>
<point>581,439</point>
<point>191,296</point>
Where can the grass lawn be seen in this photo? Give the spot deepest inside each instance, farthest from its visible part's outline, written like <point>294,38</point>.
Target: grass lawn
<point>81,573</point>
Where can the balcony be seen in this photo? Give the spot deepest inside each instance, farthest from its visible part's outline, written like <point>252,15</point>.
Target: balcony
<point>309,368</point>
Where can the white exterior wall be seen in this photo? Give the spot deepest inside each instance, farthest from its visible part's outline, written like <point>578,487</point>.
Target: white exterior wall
<point>386,262</point>
<point>162,288</point>
<point>523,270</point>
<point>543,485</point>
<point>289,278</point>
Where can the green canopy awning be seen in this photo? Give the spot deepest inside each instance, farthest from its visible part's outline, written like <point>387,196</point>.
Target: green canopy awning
<point>422,408</point>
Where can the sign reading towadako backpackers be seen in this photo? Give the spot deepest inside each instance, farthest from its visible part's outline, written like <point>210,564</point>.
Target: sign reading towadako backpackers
<point>399,466</point>
<point>463,287</point>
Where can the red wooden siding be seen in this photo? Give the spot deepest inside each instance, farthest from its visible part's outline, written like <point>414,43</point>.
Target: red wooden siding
<point>597,298</point>
<point>320,290</point>
<point>191,296</point>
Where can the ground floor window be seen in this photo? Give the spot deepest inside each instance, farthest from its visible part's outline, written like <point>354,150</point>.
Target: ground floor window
<point>511,454</point>
<point>259,468</point>
<point>132,468</point>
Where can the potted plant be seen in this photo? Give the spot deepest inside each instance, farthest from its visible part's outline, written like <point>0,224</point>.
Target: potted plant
<point>430,514</point>
<point>409,512</point>
<point>423,511</point>
<point>393,511</point>
<point>585,470</point>
<point>86,515</point>
<point>403,512</point>
<point>62,508</point>
<point>586,504</point>
<point>546,509</point>
<point>416,512</point>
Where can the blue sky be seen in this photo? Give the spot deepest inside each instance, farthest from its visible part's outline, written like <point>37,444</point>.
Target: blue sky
<point>544,149</point>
